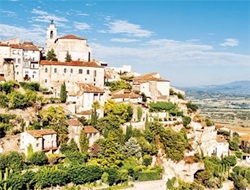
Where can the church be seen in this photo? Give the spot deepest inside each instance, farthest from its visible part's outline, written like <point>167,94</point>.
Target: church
<point>81,68</point>
<point>76,46</point>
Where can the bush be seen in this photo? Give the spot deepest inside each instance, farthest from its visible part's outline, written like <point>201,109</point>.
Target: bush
<point>148,175</point>
<point>34,86</point>
<point>147,160</point>
<point>38,158</point>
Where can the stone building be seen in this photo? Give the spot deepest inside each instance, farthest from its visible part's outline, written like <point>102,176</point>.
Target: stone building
<point>40,140</point>
<point>19,61</point>
<point>77,47</point>
<point>152,86</point>
<point>54,73</point>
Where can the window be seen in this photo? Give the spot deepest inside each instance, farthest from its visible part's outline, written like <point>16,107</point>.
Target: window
<point>87,72</point>
<point>33,76</point>
<point>19,60</point>
<point>80,71</point>
<point>45,80</point>
<point>46,70</point>
<point>71,70</point>
<point>37,144</point>
<point>65,70</point>
<point>26,72</point>
<point>94,73</point>
<point>55,70</point>
<point>17,73</point>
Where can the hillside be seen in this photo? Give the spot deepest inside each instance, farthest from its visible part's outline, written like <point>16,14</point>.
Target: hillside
<point>236,87</point>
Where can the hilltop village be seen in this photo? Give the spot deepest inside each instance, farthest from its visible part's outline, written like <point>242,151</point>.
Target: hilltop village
<point>72,122</point>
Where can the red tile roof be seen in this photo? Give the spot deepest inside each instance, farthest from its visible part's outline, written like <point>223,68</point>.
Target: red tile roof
<point>86,112</point>
<point>74,122</point>
<point>130,95</point>
<point>89,88</point>
<point>29,46</point>
<point>147,78</point>
<point>90,129</point>
<point>71,63</point>
<point>16,46</point>
<point>72,37</point>
<point>2,78</point>
<point>6,45</point>
<point>41,133</point>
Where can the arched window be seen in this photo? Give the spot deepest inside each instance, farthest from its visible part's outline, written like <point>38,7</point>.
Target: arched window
<point>51,34</point>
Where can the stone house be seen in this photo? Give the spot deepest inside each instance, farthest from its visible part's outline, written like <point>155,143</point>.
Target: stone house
<point>154,87</point>
<point>209,142</point>
<point>126,96</point>
<point>91,133</point>
<point>54,73</point>
<point>222,148</point>
<point>40,140</point>
<point>84,97</point>
<point>19,61</point>
<point>74,127</point>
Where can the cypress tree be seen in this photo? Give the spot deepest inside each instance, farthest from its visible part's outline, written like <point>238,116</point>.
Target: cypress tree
<point>63,93</point>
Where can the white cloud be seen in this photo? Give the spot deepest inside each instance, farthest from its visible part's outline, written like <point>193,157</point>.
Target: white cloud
<point>129,29</point>
<point>164,51</point>
<point>46,17</point>
<point>35,33</point>
<point>81,26</point>
<point>230,42</point>
<point>123,40</point>
<point>8,13</point>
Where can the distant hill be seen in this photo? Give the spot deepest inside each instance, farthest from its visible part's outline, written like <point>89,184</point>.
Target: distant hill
<point>236,87</point>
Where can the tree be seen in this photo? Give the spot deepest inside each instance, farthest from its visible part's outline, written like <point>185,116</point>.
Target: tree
<point>55,118</point>
<point>84,142</point>
<point>68,57</point>
<point>174,143</point>
<point>129,131</point>
<point>186,120</point>
<point>83,120</point>
<point>118,85</point>
<point>38,158</point>
<point>112,150</point>
<point>63,93</point>
<point>132,148</point>
<point>94,116</point>
<point>123,112</point>
<point>51,56</point>
<point>139,113</point>
<point>192,107</point>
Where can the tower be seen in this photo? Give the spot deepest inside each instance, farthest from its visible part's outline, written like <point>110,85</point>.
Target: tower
<point>51,35</point>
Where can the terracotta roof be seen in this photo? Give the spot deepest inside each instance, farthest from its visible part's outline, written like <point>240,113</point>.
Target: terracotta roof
<point>130,95</point>
<point>74,122</point>
<point>147,78</point>
<point>72,63</point>
<point>220,139</point>
<point>2,78</point>
<point>89,88</point>
<point>107,76</point>
<point>41,133</point>
<point>72,37</point>
<point>29,46</point>
<point>90,129</point>
<point>86,112</point>
<point>6,45</point>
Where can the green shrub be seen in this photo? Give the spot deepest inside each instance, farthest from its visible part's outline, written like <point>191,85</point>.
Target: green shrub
<point>147,160</point>
<point>148,175</point>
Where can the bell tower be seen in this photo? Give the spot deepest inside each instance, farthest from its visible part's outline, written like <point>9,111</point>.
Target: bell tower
<point>51,35</point>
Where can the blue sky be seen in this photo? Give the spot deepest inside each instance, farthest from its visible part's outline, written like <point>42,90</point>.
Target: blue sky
<point>190,43</point>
